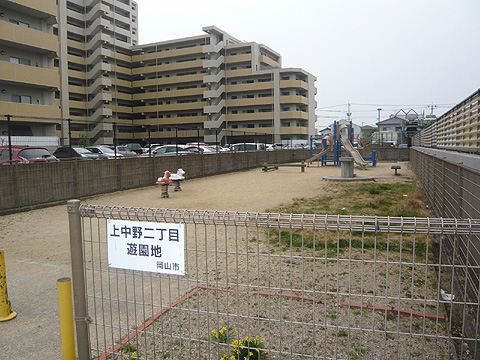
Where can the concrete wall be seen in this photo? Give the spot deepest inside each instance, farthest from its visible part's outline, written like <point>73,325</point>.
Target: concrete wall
<point>34,184</point>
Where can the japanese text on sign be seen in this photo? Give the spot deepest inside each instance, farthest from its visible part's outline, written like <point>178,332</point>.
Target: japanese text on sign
<point>146,246</point>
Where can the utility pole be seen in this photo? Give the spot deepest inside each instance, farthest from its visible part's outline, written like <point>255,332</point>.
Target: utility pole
<point>378,124</point>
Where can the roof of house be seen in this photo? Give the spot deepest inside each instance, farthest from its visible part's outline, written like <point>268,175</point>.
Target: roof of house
<point>392,121</point>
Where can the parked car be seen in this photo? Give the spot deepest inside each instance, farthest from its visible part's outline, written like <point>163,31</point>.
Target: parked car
<point>125,152</point>
<point>104,152</point>
<point>26,155</point>
<point>202,149</point>
<point>137,148</point>
<point>67,153</point>
<point>146,149</point>
<point>170,150</point>
<point>219,148</point>
<point>247,147</point>
<point>403,146</point>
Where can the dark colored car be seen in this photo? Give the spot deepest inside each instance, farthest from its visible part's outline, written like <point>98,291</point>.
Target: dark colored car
<point>26,155</point>
<point>134,147</point>
<point>67,153</point>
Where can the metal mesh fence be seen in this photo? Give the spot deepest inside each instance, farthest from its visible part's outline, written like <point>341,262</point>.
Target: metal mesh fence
<point>281,286</point>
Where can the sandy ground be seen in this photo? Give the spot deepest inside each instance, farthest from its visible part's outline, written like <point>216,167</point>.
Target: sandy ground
<point>36,243</point>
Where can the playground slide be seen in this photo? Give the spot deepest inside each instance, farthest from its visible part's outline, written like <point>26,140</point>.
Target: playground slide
<point>325,150</point>
<point>319,155</point>
<point>354,152</point>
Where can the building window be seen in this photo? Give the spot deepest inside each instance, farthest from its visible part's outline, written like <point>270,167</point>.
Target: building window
<point>20,61</point>
<point>23,99</point>
<point>21,23</point>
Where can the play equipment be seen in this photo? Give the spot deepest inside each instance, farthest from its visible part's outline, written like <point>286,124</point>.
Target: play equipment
<point>335,146</point>
<point>177,178</point>
<point>165,181</point>
<point>325,149</point>
<point>267,167</point>
<point>168,178</point>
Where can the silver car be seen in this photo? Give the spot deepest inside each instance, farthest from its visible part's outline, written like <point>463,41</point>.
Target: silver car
<point>104,152</point>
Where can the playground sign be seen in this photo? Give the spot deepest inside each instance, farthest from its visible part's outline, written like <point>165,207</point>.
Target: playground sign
<point>146,246</point>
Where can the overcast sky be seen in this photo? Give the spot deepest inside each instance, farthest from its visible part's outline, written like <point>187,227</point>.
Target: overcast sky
<point>387,54</point>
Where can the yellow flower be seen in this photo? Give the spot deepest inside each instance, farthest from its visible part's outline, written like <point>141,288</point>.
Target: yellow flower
<point>263,340</point>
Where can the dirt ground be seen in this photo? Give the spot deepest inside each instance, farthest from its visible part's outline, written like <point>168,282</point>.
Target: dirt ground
<point>36,243</point>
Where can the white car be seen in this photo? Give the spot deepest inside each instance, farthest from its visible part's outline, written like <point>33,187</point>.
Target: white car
<point>104,152</point>
<point>203,149</point>
<point>169,150</point>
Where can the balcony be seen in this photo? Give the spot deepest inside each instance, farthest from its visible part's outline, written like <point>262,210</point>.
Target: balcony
<point>296,99</point>
<point>293,84</point>
<point>232,59</point>
<point>250,116</point>
<point>44,9</point>
<point>294,115</point>
<point>239,73</point>
<point>169,80</point>
<point>168,54</point>
<point>293,130</point>
<point>270,62</point>
<point>34,40</point>
<point>248,87</point>
<point>30,110</point>
<point>251,102</point>
<point>29,75</point>
<point>173,121</point>
<point>170,107</point>
<point>195,64</point>
<point>168,94</point>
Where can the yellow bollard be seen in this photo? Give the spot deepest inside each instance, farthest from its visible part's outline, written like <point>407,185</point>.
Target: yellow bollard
<point>6,312</point>
<point>66,318</point>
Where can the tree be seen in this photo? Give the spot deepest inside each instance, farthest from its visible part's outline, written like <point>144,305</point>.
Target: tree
<point>84,140</point>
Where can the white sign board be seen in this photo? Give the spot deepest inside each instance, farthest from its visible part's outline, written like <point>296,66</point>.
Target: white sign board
<point>146,246</point>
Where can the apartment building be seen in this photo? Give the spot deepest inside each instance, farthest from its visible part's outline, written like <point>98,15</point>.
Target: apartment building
<point>211,87</point>
<point>28,78</point>
<point>229,89</point>
<point>95,40</point>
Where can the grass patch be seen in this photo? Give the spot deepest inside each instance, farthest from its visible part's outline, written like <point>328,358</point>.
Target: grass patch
<point>381,199</point>
<point>371,199</point>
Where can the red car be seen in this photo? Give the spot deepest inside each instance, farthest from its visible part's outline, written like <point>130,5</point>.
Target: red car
<point>26,155</point>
